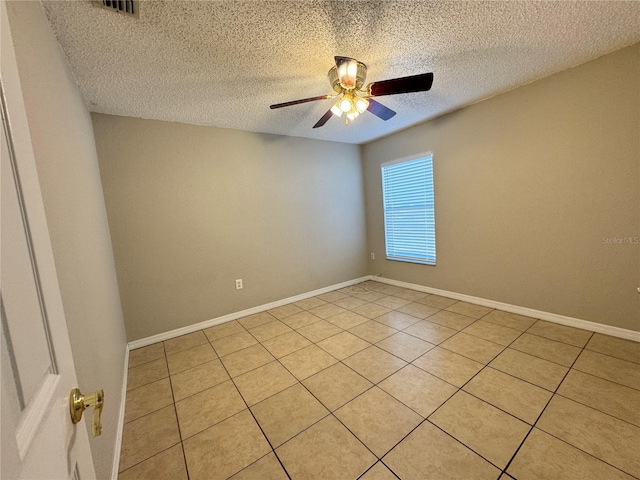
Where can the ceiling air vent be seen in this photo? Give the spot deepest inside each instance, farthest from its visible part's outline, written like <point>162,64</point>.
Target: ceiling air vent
<point>128,7</point>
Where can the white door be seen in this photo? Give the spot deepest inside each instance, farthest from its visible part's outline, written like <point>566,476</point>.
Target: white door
<point>39,440</point>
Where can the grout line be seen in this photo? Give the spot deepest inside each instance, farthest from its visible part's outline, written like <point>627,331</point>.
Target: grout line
<point>175,409</point>
<point>465,445</point>
<point>543,409</point>
<point>254,418</point>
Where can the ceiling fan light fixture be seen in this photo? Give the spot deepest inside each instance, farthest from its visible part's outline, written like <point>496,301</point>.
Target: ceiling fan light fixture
<point>361,104</point>
<point>346,104</point>
<point>336,110</point>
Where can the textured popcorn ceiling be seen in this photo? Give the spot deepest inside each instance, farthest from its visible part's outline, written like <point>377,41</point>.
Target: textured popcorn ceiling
<point>222,63</point>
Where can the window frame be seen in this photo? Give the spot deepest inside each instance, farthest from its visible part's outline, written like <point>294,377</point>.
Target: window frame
<point>428,235</point>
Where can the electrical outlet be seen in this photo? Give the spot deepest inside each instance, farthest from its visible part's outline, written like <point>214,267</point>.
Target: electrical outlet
<point>373,256</point>
<point>239,284</point>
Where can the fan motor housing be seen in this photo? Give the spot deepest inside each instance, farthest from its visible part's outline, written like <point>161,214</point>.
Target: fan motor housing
<point>334,80</point>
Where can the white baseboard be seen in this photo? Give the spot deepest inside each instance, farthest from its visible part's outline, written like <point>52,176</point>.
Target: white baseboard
<point>143,342</point>
<point>529,312</point>
<point>123,401</point>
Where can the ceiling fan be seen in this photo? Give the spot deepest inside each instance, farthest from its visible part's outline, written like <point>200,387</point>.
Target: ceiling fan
<point>347,79</point>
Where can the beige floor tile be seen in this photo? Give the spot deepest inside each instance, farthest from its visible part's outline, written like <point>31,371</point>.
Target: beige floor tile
<point>473,347</point>
<point>397,320</point>
<point>190,358</point>
<point>343,345</point>
<point>430,332</point>
<point>350,302</point>
<point>269,330</point>
<point>551,350</point>
<point>336,385</point>
<point>332,296</point>
<point>492,433</point>
<point>299,320</point>
<point>319,331</point>
<point>616,347</point>
<point>469,309</point>
<point>148,436</point>
<point>284,311</point>
<point>327,450</point>
<point>451,319</point>
<point>517,397</point>
<point>287,413</point>
<point>267,468</point>
<point>247,359</point>
<point>437,301</point>
<point>532,369</point>
<point>492,332</point>
<point>233,343</point>
<point>347,320</point>
<point>147,373</point>
<point>225,448</point>
<point>371,310</point>
<point>609,368</point>
<point>263,382</point>
<point>392,302</point>
<point>372,331</point>
<point>286,344</point>
<point>378,472</point>
<point>309,303</point>
<point>146,354</point>
<point>560,333</point>
<point>385,288</point>
<point>445,459</point>
<point>374,364</point>
<point>307,361</point>
<point>405,346</point>
<point>605,437</point>
<point>327,310</point>
<point>448,366</point>
<point>185,342</point>
<point>608,397</point>
<point>197,379</point>
<point>202,410</point>
<point>543,457</point>
<point>412,295</point>
<point>256,320</point>
<point>378,420</point>
<point>223,330</point>
<point>418,389</point>
<point>510,320</point>
<point>369,296</point>
<point>147,399</point>
<point>166,465</point>
<point>418,310</point>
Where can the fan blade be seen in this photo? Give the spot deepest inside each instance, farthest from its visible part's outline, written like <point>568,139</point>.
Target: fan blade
<point>297,102</point>
<point>323,119</point>
<point>414,83</point>
<point>380,110</point>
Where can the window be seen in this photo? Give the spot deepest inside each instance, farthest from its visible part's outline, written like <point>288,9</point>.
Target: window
<point>409,218</point>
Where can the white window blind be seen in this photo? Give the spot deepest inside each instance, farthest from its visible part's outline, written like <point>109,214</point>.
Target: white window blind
<point>409,217</point>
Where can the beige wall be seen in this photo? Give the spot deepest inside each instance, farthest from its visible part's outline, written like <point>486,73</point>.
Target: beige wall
<point>65,154</point>
<point>527,184</point>
<point>193,208</point>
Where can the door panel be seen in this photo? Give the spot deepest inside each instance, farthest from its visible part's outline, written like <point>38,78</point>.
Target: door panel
<point>39,441</point>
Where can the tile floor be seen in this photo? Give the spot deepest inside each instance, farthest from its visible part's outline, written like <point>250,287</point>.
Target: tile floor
<point>381,383</point>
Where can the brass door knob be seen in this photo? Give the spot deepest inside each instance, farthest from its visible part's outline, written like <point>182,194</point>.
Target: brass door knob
<point>78,403</point>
